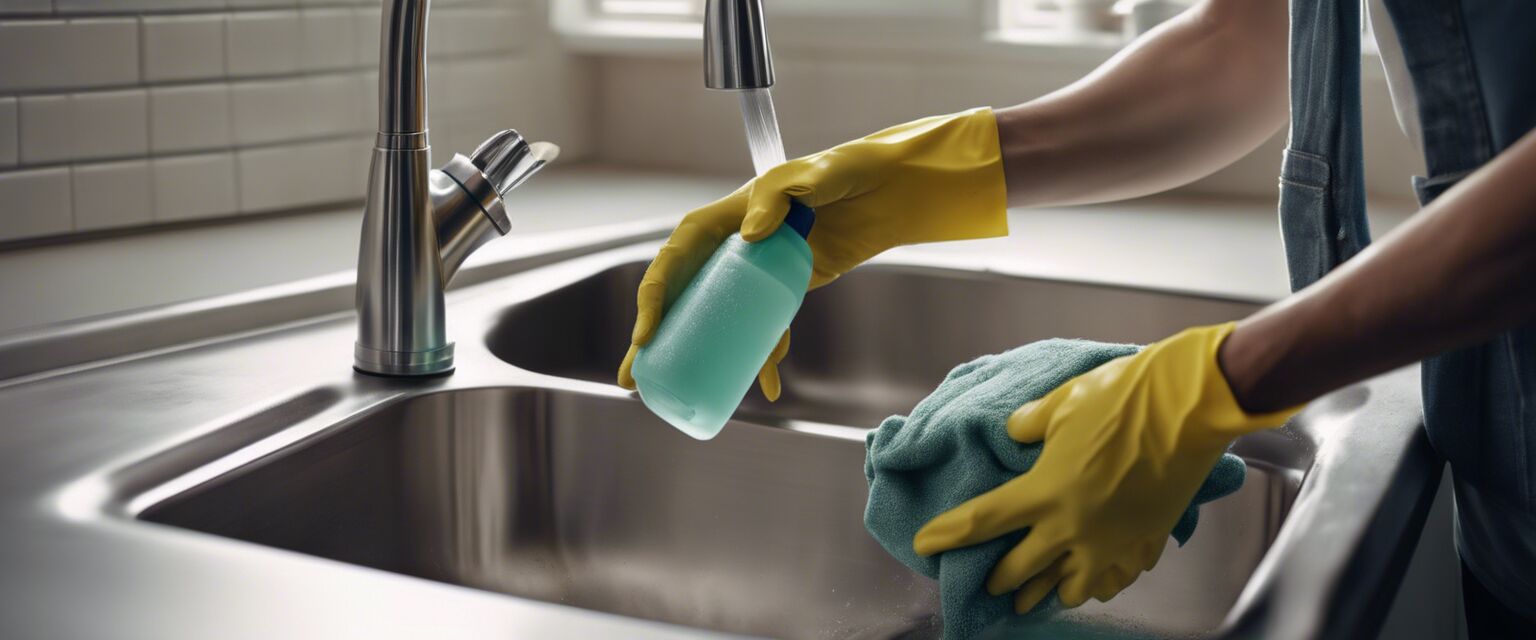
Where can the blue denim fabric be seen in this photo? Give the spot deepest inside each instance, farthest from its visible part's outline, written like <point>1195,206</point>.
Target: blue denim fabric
<point>1322,190</point>
<point>1474,69</point>
<point>1478,401</point>
<point>1502,36</point>
<point>1473,64</point>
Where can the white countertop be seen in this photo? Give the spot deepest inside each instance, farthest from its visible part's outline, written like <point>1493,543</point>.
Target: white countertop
<point>1210,245</point>
<point>1218,246</point>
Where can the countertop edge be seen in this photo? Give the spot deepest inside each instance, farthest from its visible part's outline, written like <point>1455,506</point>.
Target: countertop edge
<point>27,354</point>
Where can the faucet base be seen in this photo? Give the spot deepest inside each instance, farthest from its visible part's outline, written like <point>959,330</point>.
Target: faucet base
<point>377,362</point>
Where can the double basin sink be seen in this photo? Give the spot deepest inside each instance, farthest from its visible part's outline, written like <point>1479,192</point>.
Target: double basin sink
<point>528,474</point>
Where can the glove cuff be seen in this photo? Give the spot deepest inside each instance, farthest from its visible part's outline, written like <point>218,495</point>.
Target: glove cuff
<point>1219,408</point>
<point>969,199</point>
<point>986,213</point>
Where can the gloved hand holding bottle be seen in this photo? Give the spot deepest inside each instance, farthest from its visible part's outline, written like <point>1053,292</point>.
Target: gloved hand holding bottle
<point>1125,448</point>
<point>935,179</point>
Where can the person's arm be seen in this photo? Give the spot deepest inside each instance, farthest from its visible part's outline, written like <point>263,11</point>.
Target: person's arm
<point>1182,102</point>
<point>1126,446</point>
<point>1187,99</point>
<point>1458,272</point>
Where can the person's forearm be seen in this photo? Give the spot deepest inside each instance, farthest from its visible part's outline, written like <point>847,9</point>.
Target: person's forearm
<point>1461,271</point>
<point>1188,99</point>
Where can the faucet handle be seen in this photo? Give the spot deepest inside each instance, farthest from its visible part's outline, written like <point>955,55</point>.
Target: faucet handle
<point>467,206</point>
<point>507,160</point>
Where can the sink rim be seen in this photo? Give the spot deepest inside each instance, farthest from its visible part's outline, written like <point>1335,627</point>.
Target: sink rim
<point>606,265</point>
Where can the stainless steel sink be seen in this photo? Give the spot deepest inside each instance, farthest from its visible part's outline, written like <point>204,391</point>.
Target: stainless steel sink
<point>587,501</point>
<point>526,496</point>
<point>529,474</point>
<point>590,501</point>
<point>862,350</point>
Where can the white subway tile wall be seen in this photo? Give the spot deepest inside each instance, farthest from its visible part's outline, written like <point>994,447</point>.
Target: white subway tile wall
<point>45,129</point>
<point>110,124</point>
<point>655,112</point>
<point>262,111</point>
<point>262,43</point>
<point>10,133</point>
<point>25,6</point>
<point>327,40</point>
<point>33,199</point>
<point>187,118</point>
<point>116,113</point>
<point>114,194</point>
<point>191,187</point>
<point>183,47</point>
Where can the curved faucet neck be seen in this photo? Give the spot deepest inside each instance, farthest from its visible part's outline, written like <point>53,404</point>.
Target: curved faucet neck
<point>419,224</point>
<point>403,75</point>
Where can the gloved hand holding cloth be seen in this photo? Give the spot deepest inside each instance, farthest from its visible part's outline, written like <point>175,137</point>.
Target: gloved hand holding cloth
<point>931,180</point>
<point>1126,447</point>
<point>955,446</point>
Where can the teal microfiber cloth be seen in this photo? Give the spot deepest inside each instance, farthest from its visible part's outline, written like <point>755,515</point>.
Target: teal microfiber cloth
<point>955,446</point>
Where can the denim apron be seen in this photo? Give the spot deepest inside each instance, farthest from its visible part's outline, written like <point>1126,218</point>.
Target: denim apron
<point>1473,64</point>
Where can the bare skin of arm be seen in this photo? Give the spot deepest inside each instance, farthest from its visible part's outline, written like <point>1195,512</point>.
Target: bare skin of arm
<point>1459,272</point>
<point>1207,88</point>
<point>1181,102</point>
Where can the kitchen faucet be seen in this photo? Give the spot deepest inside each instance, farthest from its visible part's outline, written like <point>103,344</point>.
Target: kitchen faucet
<point>420,225</point>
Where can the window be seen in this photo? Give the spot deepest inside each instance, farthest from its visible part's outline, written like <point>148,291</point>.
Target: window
<point>1029,15</point>
<point>693,10</point>
<point>650,9</point>
<point>674,25</point>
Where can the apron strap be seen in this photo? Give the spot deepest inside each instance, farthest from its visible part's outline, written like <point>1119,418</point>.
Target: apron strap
<point>1325,138</point>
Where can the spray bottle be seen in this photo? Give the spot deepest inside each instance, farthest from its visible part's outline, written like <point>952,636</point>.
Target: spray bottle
<point>717,334</point>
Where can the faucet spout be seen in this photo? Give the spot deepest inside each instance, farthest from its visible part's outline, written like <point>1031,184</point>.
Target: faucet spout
<point>421,224</point>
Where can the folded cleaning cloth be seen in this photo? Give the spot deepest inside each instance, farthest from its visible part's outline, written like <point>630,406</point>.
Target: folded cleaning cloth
<point>955,446</point>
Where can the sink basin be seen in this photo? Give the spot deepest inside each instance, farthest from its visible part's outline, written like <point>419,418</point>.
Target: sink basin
<point>588,501</point>
<point>592,502</point>
<point>580,496</point>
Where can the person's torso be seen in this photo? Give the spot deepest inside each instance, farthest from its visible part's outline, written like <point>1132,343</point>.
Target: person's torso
<point>1463,78</point>
<point>1399,82</point>
<point>1471,66</point>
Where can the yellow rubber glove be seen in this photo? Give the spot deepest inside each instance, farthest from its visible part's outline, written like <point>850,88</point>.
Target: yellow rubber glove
<point>1125,448</point>
<point>935,179</point>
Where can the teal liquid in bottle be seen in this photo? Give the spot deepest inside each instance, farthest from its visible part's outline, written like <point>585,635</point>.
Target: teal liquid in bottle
<point>717,334</point>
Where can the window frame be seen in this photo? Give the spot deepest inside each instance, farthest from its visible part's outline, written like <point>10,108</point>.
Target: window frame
<point>862,27</point>
<point>601,9</point>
